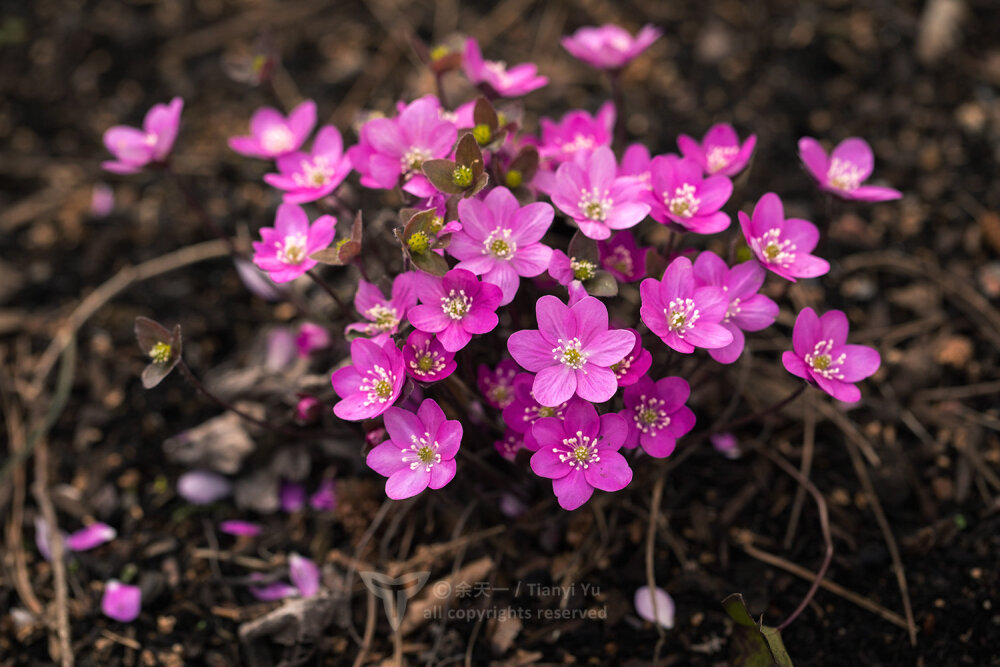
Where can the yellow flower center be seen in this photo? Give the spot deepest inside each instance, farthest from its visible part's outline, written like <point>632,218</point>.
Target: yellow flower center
<point>462,176</point>
<point>160,353</point>
<point>514,178</point>
<point>482,134</point>
<point>582,269</point>
<point>419,243</point>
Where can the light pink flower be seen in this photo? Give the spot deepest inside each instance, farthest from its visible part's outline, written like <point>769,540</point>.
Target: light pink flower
<point>285,248</point>
<point>609,46</point>
<point>846,168</point>
<point>203,487</point>
<point>577,132</point>
<point>588,190</point>
<point>420,452</point>
<point>823,358</point>
<point>308,177</point>
<point>571,351</point>
<point>720,152</point>
<point>134,148</point>
<point>503,82</point>
<point>272,135</point>
<point>664,606</point>
<point>311,337</point>
<point>391,148</point>
<point>500,240</point>
<point>497,384</point>
<point>384,315</point>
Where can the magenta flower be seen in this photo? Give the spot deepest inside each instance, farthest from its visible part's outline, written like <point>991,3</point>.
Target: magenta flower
<point>292,497</point>
<point>720,152</point>
<point>497,384</point>
<point>523,409</point>
<point>384,315</point>
<point>843,172</point>
<point>285,248</point>
<point>580,453</point>
<point>426,359</point>
<point>372,383</point>
<point>588,190</point>
<point>307,410</point>
<point>420,451</point>
<point>121,602</point>
<point>680,194</point>
<point>633,365</point>
<point>311,337</point>
<point>239,528</point>
<point>623,258</point>
<point>511,443</point>
<point>682,314</point>
<point>656,414</point>
<point>577,133</point>
<point>571,351</point>
<point>781,245</point>
<point>308,177</point>
<point>610,46</point>
<point>500,240</point>
<point>747,310</point>
<point>272,135</point>
<point>503,82</point>
<point>134,148</point>
<point>726,444</point>
<point>823,358</point>
<point>455,307</point>
<point>325,497</point>
<point>391,148</point>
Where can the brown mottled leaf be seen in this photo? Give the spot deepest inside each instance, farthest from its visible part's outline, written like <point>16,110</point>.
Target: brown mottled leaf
<point>439,173</point>
<point>753,644</point>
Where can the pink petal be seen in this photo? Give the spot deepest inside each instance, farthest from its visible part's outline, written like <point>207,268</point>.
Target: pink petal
<point>529,224</point>
<point>121,602</point>
<point>202,487</point>
<point>875,193</point>
<point>442,473</point>
<point>555,319</point>
<point>861,362</point>
<point>242,528</point>
<point>834,326</point>
<point>90,537</point>
<point>403,426</point>
<point>407,483</point>
<point>794,365</point>
<point>608,347</point>
<point>531,260</point>
<point>572,491</point>
<point>814,158</point>
<point>556,384</point>
<point>858,153</point>
<point>386,459</point>
<point>477,220</point>
<point>664,606</point>
<point>545,462</point>
<point>611,473</point>
<point>806,332</point>
<point>304,574</point>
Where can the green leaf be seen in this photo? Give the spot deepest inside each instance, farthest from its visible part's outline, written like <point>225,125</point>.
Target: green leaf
<point>753,644</point>
<point>603,284</point>
<point>430,262</point>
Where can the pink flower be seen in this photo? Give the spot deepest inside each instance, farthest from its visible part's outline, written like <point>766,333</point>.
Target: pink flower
<point>842,173</point>
<point>662,613</point>
<point>285,248</point>
<point>726,444</point>
<point>391,148</point>
<point>781,245</point>
<point>497,384</point>
<point>524,410</point>
<point>580,454</point>
<point>202,487</point>
<point>610,46</point>
<point>720,152</point>
<point>623,258</point>
<point>384,315</point>
<point>511,443</point>
<point>500,240</point>
<point>681,195</point>
<point>372,383</point>
<point>823,358</point>
<point>308,177</point>
<point>747,310</point>
<point>307,409</point>
<point>635,164</point>
<point>304,574</point>
<point>682,314</point>
<point>292,497</point>
<point>588,190</point>
<point>633,365</point>
<point>420,452</point>
<point>571,351</point>
<point>455,307</point>
<point>134,148</point>
<point>311,337</point>
<point>426,359</point>
<point>656,414</point>
<point>121,602</point>
<point>272,135</point>
<point>577,133</point>
<point>503,82</point>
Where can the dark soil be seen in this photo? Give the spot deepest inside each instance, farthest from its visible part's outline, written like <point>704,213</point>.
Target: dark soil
<point>919,279</point>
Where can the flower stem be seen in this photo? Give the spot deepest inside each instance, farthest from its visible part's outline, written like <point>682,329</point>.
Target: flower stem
<point>226,405</point>
<point>774,407</point>
<point>618,97</point>
<point>329,290</point>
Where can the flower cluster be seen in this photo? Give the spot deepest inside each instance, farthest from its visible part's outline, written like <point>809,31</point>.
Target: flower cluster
<point>495,276</point>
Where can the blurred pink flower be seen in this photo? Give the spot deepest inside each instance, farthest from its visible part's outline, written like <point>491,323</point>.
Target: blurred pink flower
<point>846,168</point>
<point>134,148</point>
<point>609,46</point>
<point>285,248</point>
<point>513,82</point>
<point>272,135</point>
